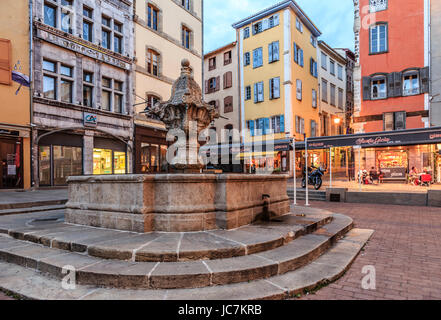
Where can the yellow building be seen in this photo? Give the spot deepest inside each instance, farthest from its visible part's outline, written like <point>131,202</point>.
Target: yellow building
<point>165,33</point>
<point>278,79</point>
<point>15,118</point>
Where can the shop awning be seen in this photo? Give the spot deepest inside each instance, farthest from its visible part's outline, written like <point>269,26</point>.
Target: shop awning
<point>255,155</point>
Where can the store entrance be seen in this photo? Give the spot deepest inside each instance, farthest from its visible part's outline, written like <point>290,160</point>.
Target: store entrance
<point>10,163</point>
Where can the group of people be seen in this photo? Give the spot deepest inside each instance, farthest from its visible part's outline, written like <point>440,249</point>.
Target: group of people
<point>371,177</point>
<point>419,179</point>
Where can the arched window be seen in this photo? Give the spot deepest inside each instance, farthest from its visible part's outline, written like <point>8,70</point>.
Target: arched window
<point>153,59</point>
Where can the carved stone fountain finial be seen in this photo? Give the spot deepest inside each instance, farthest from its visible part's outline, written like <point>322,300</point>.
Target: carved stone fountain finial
<point>185,111</point>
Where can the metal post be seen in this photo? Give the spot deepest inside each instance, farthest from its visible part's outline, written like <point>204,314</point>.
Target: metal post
<point>294,170</point>
<point>330,167</point>
<point>359,166</point>
<point>306,172</point>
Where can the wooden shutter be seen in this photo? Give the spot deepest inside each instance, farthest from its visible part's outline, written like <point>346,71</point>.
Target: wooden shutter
<point>400,120</point>
<point>218,83</point>
<point>5,62</point>
<point>229,79</point>
<point>424,80</point>
<point>391,85</point>
<point>296,60</point>
<point>276,87</point>
<point>225,80</point>
<point>366,88</point>
<point>311,66</point>
<point>206,86</point>
<point>270,53</point>
<point>398,84</point>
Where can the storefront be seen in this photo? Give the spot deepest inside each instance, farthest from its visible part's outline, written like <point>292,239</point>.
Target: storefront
<point>109,156</point>
<point>393,153</point>
<point>150,150</point>
<point>11,160</point>
<point>60,155</point>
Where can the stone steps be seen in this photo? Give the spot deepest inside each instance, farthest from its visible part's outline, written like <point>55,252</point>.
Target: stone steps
<point>31,204</point>
<point>173,247</point>
<point>39,208</point>
<point>32,284</point>
<point>173,275</point>
<point>312,195</point>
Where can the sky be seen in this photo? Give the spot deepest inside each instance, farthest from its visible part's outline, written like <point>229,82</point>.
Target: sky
<point>334,18</point>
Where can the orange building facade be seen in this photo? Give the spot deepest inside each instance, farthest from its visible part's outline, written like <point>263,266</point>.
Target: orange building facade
<point>393,65</point>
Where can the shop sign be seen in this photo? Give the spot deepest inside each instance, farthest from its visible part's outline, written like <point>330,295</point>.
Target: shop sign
<point>9,132</point>
<point>90,119</point>
<point>12,170</point>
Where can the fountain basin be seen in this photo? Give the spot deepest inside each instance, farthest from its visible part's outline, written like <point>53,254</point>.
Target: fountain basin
<point>174,202</point>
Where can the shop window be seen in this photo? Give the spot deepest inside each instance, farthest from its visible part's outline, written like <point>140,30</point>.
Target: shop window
<point>411,84</point>
<point>378,88</point>
<point>44,159</point>
<point>153,158</point>
<point>57,163</point>
<point>106,161</point>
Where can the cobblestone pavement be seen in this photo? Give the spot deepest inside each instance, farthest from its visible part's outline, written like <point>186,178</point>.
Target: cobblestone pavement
<point>405,251</point>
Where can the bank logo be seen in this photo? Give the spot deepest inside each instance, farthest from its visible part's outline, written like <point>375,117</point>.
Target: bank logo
<point>90,119</point>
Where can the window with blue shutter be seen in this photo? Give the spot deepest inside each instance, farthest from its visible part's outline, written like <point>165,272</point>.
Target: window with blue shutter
<point>301,58</point>
<point>251,126</point>
<point>296,57</point>
<point>282,123</point>
<point>256,93</point>
<point>247,59</point>
<point>260,88</point>
<point>261,125</point>
<point>257,58</point>
<point>266,127</point>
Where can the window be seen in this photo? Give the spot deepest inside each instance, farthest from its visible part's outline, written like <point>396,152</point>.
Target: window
<point>324,61</point>
<point>246,32</point>
<point>111,37</point>
<point>227,58</point>
<point>340,99</point>
<point>248,93</point>
<point>411,84</point>
<point>112,96</point>
<point>88,89</point>
<point>300,125</point>
<point>228,80</point>
<point>152,100</point>
<point>394,121</point>
<point>211,63</point>
<point>278,124</point>
<point>106,33</point>
<point>299,89</point>
<point>87,24</point>
<point>257,28</point>
<point>66,15</point>
<point>332,67</point>
<point>273,21</point>
<point>118,97</point>
<point>152,62</point>
<point>313,68</point>
<point>274,88</point>
<point>106,95</point>
<point>228,104</point>
<point>313,41</point>
<point>378,88</point>
<point>257,58</point>
<point>212,85</point>
<point>314,98</point>
<point>117,37</point>
<point>340,72</point>
<point>247,59</point>
<point>324,90</point>
<point>299,24</point>
<point>298,55</point>
<point>186,37</point>
<point>106,21</point>
<point>54,75</point>
<point>377,5</point>
<point>66,90</point>
<point>332,95</point>
<point>152,17</point>
<point>49,87</point>
<point>258,92</point>
<point>50,15</point>
<point>250,126</point>
<point>186,4</point>
<point>378,38</point>
<point>273,52</point>
<point>313,128</point>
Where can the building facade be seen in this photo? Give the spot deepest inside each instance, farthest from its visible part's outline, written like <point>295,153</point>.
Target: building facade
<point>332,84</point>
<point>393,57</point>
<point>435,63</point>
<point>392,79</point>
<point>222,90</point>
<point>82,96</point>
<point>15,117</point>
<point>278,80</point>
<point>165,33</point>
<point>350,64</point>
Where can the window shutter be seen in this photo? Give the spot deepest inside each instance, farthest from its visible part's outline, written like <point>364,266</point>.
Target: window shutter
<point>265,24</point>
<point>391,85</point>
<point>225,80</point>
<point>206,86</point>
<point>282,123</point>
<point>276,20</point>
<point>252,127</point>
<point>311,66</point>
<point>218,83</point>
<point>424,80</point>
<point>296,58</point>
<point>260,86</point>
<point>276,51</point>
<point>271,88</point>
<point>230,79</point>
<point>400,120</point>
<point>276,88</point>
<point>256,93</point>
<point>366,88</point>
<point>217,105</point>
<point>270,53</point>
<point>5,62</point>
<point>255,58</point>
<point>398,84</point>
<point>301,58</point>
<point>266,126</point>
<point>315,69</point>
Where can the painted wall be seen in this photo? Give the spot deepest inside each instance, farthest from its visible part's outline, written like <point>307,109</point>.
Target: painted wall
<point>405,50</point>
<point>15,109</point>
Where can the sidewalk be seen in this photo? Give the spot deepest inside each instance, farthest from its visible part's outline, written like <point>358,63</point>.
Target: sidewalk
<point>19,197</point>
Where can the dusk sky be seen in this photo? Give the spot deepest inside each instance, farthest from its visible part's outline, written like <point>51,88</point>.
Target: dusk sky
<point>334,18</point>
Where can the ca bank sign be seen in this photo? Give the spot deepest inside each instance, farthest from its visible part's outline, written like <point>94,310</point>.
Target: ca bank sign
<point>90,119</point>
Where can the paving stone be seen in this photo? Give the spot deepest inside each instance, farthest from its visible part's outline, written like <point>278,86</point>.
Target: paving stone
<point>122,249</point>
<point>171,275</point>
<point>164,248</point>
<point>28,255</point>
<point>120,294</point>
<point>101,235</point>
<point>54,265</point>
<point>202,245</point>
<point>241,269</point>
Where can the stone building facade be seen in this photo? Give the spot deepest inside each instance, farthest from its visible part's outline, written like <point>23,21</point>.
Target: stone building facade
<point>82,94</point>
<point>221,88</point>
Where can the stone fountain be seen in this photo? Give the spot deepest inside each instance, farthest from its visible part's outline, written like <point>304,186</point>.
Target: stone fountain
<point>183,201</point>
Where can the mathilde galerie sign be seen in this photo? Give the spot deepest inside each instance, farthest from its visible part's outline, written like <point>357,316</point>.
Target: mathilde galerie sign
<point>80,48</point>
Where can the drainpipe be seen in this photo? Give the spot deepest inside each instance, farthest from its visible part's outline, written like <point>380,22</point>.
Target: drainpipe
<point>203,71</point>
<point>31,88</point>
